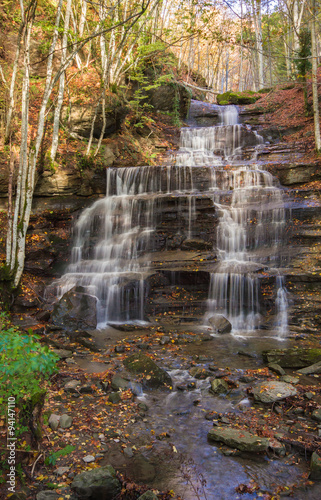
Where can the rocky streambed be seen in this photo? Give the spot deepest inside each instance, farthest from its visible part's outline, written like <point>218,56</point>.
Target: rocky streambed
<point>178,409</point>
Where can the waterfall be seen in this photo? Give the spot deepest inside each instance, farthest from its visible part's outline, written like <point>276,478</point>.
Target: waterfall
<point>115,238</point>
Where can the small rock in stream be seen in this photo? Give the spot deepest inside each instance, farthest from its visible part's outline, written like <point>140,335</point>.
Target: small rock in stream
<point>220,324</point>
<point>315,466</point>
<point>290,380</point>
<point>218,386</point>
<point>274,367</point>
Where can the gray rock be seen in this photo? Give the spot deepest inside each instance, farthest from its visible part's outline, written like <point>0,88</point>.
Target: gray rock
<point>62,353</point>
<point>114,398</point>
<point>220,324</point>
<point>86,389</point>
<point>315,466</point>
<point>88,459</point>
<point>65,421</point>
<point>277,447</point>
<point>53,421</point>
<point>165,340</point>
<point>199,372</point>
<point>238,438</point>
<point>152,374</point>
<point>128,452</point>
<point>75,310</point>
<point>316,415</point>
<point>100,483</point>
<point>164,98</point>
<point>136,388</point>
<point>148,495</point>
<point>292,357</point>
<point>274,367</point>
<point>269,392</point>
<point>79,120</point>
<point>47,495</point>
<point>72,386</point>
<point>290,380</point>
<point>219,386</point>
<point>60,471</point>
<point>310,370</point>
<point>119,382</point>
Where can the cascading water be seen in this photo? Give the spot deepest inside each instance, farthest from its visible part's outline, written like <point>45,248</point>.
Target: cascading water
<point>115,237</point>
<point>251,223</point>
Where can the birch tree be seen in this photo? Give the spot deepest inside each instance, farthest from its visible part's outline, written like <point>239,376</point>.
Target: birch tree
<point>19,215</point>
<point>316,113</point>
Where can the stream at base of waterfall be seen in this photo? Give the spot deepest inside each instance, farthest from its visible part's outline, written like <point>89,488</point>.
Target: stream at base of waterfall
<point>115,238</point>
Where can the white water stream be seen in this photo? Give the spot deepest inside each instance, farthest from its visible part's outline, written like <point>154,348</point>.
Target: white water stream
<point>114,237</point>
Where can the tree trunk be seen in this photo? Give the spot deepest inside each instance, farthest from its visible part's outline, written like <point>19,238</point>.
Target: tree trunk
<point>315,80</point>
<point>55,132</point>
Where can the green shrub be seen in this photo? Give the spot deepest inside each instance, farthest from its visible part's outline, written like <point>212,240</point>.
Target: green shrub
<point>24,364</point>
<point>52,459</point>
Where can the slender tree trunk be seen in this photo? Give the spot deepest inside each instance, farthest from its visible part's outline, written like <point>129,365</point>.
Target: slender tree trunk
<point>55,133</point>
<point>315,80</point>
<point>14,76</point>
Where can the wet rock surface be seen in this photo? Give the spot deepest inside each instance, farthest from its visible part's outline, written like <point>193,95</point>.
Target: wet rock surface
<point>75,310</point>
<point>152,375</point>
<point>270,392</point>
<point>240,439</point>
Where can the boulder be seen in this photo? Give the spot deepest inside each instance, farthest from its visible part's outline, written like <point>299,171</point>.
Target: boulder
<point>220,324</point>
<point>97,483</point>
<point>152,374</point>
<point>118,382</point>
<point>315,466</point>
<point>79,119</point>
<point>169,98</point>
<point>292,357</point>
<point>75,311</point>
<point>237,438</point>
<point>269,392</point>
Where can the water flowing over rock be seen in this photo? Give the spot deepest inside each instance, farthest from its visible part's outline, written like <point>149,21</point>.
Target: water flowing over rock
<point>212,205</point>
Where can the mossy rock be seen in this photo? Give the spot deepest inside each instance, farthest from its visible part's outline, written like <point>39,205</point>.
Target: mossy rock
<point>236,98</point>
<point>266,90</point>
<point>292,358</point>
<point>152,375</point>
